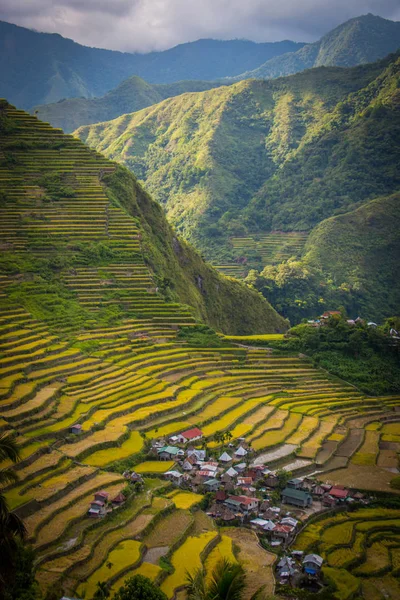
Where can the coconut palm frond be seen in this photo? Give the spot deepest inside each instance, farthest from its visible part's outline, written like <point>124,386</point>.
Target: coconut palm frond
<point>7,476</point>
<point>228,581</point>
<point>196,585</point>
<point>9,448</point>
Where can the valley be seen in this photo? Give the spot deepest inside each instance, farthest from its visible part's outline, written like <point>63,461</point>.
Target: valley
<point>199,310</point>
<point>302,156</point>
<point>88,340</point>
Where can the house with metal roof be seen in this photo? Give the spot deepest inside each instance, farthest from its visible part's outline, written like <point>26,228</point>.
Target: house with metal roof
<point>312,564</point>
<point>225,458</point>
<point>190,435</point>
<point>169,453</point>
<point>212,485</point>
<point>296,497</point>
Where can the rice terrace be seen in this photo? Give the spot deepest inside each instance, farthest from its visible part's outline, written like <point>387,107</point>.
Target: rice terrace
<point>195,410</point>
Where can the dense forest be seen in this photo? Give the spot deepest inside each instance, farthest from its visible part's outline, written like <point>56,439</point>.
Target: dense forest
<point>364,355</point>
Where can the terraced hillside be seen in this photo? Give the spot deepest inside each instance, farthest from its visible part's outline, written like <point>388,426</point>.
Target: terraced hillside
<point>256,252</point>
<point>361,550</point>
<point>91,335</point>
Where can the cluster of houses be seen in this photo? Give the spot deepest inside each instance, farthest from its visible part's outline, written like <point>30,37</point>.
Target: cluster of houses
<point>291,566</point>
<point>241,491</point>
<point>101,505</point>
<point>323,320</point>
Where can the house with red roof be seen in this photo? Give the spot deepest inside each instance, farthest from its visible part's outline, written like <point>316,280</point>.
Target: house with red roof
<point>339,492</point>
<point>118,500</point>
<point>220,496</point>
<point>101,496</point>
<point>330,313</point>
<point>282,531</point>
<point>244,503</point>
<point>245,482</point>
<point>190,435</point>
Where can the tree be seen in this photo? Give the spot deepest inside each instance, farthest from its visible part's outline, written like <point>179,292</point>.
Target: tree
<point>11,527</point>
<point>227,582</point>
<point>283,478</point>
<point>23,585</point>
<point>139,587</point>
<point>102,592</point>
<point>228,436</point>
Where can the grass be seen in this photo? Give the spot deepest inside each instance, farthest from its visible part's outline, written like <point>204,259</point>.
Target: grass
<point>338,534</point>
<point>169,529</point>
<point>132,445</point>
<point>342,556</point>
<point>377,558</point>
<point>256,561</point>
<point>273,437</point>
<point>186,558</point>
<point>345,583</point>
<point>124,555</point>
<point>154,466</point>
<point>254,339</point>
<point>224,549</point>
<point>185,500</point>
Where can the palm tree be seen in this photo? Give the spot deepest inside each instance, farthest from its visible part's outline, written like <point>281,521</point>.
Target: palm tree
<point>102,591</point>
<point>11,526</point>
<point>227,582</point>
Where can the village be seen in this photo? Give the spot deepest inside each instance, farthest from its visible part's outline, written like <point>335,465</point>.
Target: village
<point>237,492</point>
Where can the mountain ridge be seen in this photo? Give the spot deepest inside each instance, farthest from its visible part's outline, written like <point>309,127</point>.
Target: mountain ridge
<point>131,95</point>
<point>359,40</point>
<point>262,156</point>
<point>79,209</point>
<point>51,67</point>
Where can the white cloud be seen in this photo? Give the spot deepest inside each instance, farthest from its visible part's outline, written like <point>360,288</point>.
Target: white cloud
<point>143,25</point>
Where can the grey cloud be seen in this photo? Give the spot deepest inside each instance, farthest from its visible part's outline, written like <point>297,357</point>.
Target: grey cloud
<point>143,25</point>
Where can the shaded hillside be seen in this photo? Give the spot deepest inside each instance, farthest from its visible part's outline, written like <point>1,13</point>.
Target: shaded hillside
<point>263,156</point>
<point>360,40</point>
<point>38,68</point>
<point>64,206</point>
<point>212,157</point>
<point>131,95</point>
<point>365,244</point>
<point>351,157</point>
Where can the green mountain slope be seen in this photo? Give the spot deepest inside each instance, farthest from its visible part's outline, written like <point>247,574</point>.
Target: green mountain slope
<point>365,244</point>
<point>209,157</point>
<point>131,95</point>
<point>351,157</point>
<point>360,40</point>
<point>262,156</point>
<point>66,209</point>
<point>38,68</point>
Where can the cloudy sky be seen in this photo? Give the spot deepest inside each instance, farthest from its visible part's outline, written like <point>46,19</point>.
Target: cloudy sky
<point>144,25</point>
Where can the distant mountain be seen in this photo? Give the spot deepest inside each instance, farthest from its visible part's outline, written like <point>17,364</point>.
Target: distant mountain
<point>131,95</point>
<point>38,68</point>
<point>261,156</point>
<point>360,40</point>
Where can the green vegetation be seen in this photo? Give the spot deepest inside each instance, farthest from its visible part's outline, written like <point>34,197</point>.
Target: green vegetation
<point>131,95</point>
<point>119,213</point>
<point>17,578</point>
<point>182,274</point>
<point>356,546</point>
<point>138,588</point>
<point>280,155</point>
<point>365,356</point>
<point>201,336</point>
